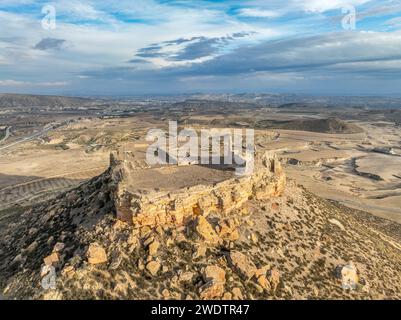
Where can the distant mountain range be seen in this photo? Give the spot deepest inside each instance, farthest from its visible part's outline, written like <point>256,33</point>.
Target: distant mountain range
<point>200,100</point>
<point>296,101</point>
<point>20,100</point>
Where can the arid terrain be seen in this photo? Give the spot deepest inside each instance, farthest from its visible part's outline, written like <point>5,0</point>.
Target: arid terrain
<point>318,219</point>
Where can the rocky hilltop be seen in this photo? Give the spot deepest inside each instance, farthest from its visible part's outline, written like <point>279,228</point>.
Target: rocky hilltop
<point>330,125</point>
<point>197,233</point>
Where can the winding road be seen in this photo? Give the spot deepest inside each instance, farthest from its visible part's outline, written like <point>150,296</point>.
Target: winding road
<point>7,135</point>
<point>46,129</point>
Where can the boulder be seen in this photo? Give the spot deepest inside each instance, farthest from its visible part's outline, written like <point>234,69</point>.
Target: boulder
<point>59,246</point>
<point>274,279</point>
<point>68,271</point>
<point>212,290</point>
<point>228,230</point>
<point>264,283</point>
<point>52,259</point>
<point>262,271</point>
<point>153,267</point>
<point>186,277</point>
<point>214,273</point>
<point>206,231</point>
<point>154,247</point>
<point>348,274</point>
<point>169,242</point>
<point>227,296</point>
<point>242,264</point>
<point>141,265</point>
<point>215,278</point>
<point>46,269</point>
<point>200,251</point>
<point>166,294</point>
<point>337,223</point>
<point>237,294</point>
<point>148,241</point>
<point>31,248</point>
<point>96,254</point>
<point>180,237</point>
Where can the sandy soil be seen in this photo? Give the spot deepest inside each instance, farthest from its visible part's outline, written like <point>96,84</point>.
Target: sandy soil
<point>342,167</point>
<point>346,168</point>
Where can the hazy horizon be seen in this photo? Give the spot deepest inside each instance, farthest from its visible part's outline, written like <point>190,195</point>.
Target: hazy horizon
<point>191,94</point>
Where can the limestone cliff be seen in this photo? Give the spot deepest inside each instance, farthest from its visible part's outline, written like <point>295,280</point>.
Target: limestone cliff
<point>177,207</point>
<point>197,232</point>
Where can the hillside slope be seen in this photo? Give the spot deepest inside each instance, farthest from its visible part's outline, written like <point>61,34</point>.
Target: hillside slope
<point>330,125</point>
<point>24,100</point>
<point>288,244</point>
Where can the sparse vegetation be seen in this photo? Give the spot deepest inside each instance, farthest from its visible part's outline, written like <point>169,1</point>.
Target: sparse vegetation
<point>294,242</point>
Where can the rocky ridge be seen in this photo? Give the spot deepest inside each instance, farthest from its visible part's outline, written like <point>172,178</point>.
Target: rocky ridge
<point>176,208</point>
<point>257,237</point>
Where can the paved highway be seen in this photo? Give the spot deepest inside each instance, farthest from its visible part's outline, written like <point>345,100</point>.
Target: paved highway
<point>6,135</point>
<point>45,130</point>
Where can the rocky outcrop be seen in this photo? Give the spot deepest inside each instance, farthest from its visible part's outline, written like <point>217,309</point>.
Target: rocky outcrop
<point>175,208</point>
<point>243,241</point>
<point>33,239</point>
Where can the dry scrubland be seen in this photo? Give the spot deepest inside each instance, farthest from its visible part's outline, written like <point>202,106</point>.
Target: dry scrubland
<point>326,218</point>
<point>273,241</point>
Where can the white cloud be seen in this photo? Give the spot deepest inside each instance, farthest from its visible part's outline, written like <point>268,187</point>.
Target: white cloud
<point>83,10</point>
<point>15,83</point>
<point>258,13</point>
<point>325,5</point>
<point>5,3</point>
<point>106,34</point>
<point>395,22</point>
<point>102,45</point>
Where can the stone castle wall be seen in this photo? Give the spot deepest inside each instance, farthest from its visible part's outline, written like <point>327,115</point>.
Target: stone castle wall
<point>159,208</point>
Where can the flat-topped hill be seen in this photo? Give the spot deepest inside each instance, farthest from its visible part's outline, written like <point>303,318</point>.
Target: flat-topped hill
<point>330,125</point>
<point>253,237</point>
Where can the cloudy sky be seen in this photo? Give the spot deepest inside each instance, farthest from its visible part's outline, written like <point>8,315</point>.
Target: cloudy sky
<point>131,47</point>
